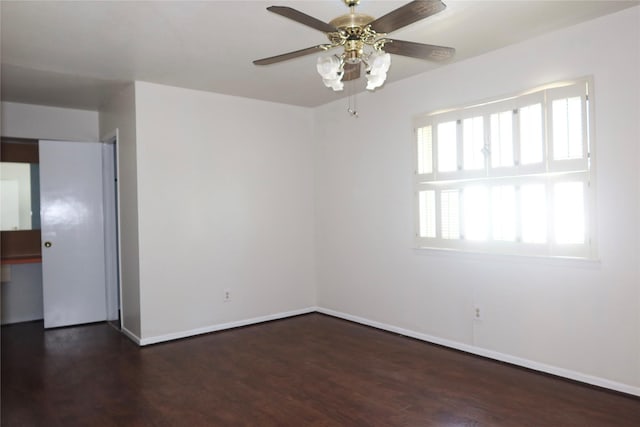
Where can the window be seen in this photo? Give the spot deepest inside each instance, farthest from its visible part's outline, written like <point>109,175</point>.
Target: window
<point>509,176</point>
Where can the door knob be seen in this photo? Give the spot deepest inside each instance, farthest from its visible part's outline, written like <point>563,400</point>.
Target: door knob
<point>47,244</point>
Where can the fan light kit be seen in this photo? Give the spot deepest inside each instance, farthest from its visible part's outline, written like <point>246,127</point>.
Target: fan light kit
<point>364,41</point>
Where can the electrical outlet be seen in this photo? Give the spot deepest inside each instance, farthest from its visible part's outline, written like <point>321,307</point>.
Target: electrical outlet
<point>227,295</point>
<point>477,313</point>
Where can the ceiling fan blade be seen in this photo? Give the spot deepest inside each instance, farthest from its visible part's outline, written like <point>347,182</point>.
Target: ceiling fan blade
<point>418,50</point>
<point>407,14</point>
<point>302,18</point>
<point>351,72</point>
<point>291,55</point>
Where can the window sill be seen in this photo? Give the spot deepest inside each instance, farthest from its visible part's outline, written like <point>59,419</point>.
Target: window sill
<point>562,261</point>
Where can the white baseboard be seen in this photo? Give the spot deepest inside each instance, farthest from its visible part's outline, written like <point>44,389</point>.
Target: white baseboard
<point>133,337</point>
<point>220,327</point>
<point>22,319</point>
<point>561,372</point>
<point>526,363</point>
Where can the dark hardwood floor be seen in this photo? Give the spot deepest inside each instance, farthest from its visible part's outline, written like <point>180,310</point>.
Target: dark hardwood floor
<point>310,370</point>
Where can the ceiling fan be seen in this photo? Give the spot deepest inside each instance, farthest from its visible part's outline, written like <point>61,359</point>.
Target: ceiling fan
<point>364,40</point>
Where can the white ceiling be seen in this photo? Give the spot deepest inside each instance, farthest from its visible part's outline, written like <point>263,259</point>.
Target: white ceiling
<point>73,54</point>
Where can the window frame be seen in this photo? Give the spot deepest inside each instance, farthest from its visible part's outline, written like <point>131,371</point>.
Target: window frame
<point>548,172</point>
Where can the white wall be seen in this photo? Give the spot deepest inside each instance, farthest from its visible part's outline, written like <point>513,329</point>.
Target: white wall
<point>41,122</point>
<point>22,296</point>
<point>119,113</point>
<point>577,318</point>
<point>225,196</point>
<point>217,193</point>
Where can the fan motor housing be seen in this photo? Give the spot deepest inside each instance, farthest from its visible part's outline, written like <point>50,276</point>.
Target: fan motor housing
<point>351,20</point>
<point>353,50</point>
<point>354,32</point>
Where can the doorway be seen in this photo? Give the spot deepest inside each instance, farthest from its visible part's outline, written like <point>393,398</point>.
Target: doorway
<point>24,293</point>
<point>110,192</point>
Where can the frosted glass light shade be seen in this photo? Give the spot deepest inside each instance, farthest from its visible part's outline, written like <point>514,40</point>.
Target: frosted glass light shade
<point>375,80</point>
<point>328,67</point>
<point>379,63</point>
<point>335,84</point>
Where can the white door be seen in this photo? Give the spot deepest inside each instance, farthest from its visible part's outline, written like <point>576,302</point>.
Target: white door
<point>72,233</point>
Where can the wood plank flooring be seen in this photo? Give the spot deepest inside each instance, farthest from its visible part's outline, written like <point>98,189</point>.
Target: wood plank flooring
<point>310,370</point>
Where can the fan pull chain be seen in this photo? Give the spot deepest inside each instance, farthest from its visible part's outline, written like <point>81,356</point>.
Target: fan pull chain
<point>353,98</point>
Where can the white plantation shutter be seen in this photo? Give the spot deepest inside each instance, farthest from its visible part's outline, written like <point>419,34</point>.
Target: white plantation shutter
<point>567,128</point>
<point>568,136</point>
<point>473,143</point>
<point>509,176</point>
<point>503,213</point>
<point>447,147</point>
<point>427,212</point>
<point>533,207</point>
<point>425,150</point>
<point>568,212</point>
<point>450,214</point>
<point>531,134</point>
<point>476,212</point>
<point>502,139</point>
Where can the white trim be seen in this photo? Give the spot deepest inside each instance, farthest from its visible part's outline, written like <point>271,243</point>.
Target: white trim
<point>133,337</point>
<point>546,171</point>
<point>478,351</point>
<point>530,364</point>
<point>113,137</point>
<point>220,327</point>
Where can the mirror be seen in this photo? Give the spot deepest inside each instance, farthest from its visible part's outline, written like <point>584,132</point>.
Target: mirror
<point>19,196</point>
